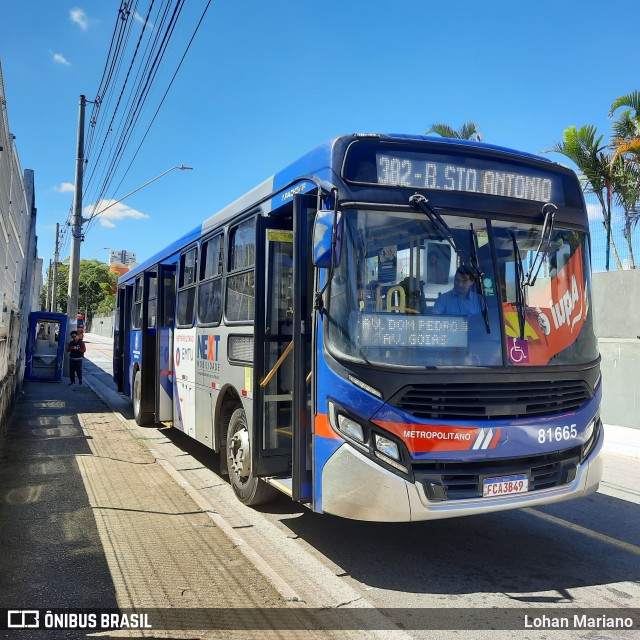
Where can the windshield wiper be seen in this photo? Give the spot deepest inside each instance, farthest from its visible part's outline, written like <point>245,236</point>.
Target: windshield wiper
<point>523,281</point>
<point>420,202</point>
<point>520,284</point>
<point>476,264</point>
<point>545,238</point>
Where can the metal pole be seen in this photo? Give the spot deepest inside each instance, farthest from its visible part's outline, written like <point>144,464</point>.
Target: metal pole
<point>56,258</point>
<point>76,237</point>
<point>48,303</point>
<point>608,226</point>
<point>164,173</point>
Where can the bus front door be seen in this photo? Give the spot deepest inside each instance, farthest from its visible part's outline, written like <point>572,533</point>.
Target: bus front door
<point>280,430</point>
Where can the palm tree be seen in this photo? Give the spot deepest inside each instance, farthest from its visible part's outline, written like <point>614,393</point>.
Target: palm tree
<point>588,153</point>
<point>626,130</point>
<point>468,131</point>
<point>626,158</point>
<point>626,187</point>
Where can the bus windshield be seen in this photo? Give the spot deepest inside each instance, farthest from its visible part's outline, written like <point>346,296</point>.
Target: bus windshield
<point>397,297</point>
<point>401,297</point>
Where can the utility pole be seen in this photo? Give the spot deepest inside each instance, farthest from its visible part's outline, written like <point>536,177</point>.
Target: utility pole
<point>76,237</point>
<point>76,226</point>
<point>56,258</point>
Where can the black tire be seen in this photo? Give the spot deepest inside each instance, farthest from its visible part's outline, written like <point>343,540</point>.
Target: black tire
<point>142,419</point>
<point>248,489</point>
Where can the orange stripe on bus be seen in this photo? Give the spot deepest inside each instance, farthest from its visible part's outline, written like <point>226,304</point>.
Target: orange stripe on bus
<point>323,428</point>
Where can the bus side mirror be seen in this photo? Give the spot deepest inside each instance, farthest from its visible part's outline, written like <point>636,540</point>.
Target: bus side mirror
<point>327,226</point>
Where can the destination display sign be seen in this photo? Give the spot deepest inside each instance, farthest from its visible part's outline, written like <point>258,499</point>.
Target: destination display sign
<point>467,175</point>
<point>385,330</point>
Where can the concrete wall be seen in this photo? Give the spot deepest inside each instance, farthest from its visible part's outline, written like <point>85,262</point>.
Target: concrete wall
<point>18,257</point>
<point>102,325</point>
<point>616,297</point>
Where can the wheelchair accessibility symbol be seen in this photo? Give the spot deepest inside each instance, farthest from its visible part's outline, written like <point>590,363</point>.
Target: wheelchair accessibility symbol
<point>518,350</point>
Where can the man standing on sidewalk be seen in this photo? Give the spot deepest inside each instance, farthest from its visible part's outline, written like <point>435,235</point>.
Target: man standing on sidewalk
<point>76,349</point>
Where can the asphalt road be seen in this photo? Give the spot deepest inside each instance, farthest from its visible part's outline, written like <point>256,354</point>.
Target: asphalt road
<point>583,554</point>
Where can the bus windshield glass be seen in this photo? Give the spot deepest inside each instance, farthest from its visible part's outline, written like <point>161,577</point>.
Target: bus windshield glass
<point>556,309</point>
<point>398,300</point>
<point>402,296</point>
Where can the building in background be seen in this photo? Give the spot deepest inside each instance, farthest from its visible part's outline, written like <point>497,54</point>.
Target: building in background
<point>20,275</point>
<point>121,261</point>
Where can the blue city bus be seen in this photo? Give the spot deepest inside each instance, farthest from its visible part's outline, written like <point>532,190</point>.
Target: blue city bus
<point>393,328</point>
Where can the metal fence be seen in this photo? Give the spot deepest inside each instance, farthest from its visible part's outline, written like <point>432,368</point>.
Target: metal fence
<point>628,255</point>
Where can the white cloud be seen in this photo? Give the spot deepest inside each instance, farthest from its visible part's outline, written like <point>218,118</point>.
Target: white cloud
<point>138,18</point>
<point>60,59</point>
<point>78,16</point>
<point>594,212</point>
<point>65,187</point>
<point>114,211</point>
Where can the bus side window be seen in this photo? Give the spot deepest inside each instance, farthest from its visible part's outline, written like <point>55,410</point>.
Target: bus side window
<point>152,303</point>
<point>241,277</point>
<point>210,287</point>
<point>187,288</point>
<point>136,312</point>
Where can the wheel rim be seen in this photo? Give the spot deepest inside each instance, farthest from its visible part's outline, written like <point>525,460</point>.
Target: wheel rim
<point>136,396</point>
<point>239,455</point>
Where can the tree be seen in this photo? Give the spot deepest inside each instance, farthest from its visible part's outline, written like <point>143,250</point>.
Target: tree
<point>626,159</point>
<point>468,131</point>
<point>626,189</point>
<point>626,130</point>
<point>96,288</point>
<point>585,149</point>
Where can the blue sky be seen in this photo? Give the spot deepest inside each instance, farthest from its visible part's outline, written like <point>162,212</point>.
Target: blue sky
<point>265,81</point>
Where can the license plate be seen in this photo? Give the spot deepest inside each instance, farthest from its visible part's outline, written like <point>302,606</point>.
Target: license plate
<point>505,486</point>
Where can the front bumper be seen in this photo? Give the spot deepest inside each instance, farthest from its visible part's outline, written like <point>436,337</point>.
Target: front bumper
<point>354,486</point>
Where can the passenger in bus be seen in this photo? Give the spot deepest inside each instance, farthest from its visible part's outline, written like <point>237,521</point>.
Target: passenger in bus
<point>462,300</point>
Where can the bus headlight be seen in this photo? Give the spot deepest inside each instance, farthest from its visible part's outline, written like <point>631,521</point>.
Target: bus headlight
<point>388,451</point>
<point>387,447</point>
<point>592,433</point>
<point>351,428</point>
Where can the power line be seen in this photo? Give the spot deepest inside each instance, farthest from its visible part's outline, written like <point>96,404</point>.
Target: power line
<point>116,131</point>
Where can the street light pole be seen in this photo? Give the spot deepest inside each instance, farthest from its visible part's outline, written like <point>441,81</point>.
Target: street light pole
<point>164,173</point>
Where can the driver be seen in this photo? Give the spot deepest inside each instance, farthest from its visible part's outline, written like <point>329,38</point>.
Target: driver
<point>462,300</point>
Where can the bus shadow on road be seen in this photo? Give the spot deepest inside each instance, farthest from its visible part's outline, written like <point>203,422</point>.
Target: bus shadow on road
<point>516,552</point>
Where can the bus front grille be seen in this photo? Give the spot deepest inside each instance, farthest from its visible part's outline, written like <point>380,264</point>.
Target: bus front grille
<point>464,480</point>
<point>491,401</point>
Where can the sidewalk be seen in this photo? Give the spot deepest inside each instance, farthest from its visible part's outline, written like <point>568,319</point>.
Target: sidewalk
<point>622,441</point>
<point>90,519</point>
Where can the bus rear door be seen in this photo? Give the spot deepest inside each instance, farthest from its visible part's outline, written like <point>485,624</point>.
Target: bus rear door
<point>119,343</point>
<point>166,321</point>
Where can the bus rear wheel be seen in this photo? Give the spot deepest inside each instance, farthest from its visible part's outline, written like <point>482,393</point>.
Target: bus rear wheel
<point>249,489</point>
<point>142,418</point>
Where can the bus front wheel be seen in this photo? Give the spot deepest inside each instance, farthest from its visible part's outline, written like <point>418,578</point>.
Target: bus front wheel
<point>142,419</point>
<point>249,489</point>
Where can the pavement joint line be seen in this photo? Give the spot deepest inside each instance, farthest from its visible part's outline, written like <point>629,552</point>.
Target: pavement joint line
<point>281,586</point>
<point>626,546</point>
